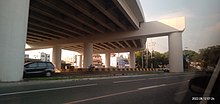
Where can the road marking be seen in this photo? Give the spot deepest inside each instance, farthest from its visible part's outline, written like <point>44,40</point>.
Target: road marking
<point>120,93</point>
<point>124,81</point>
<point>149,87</point>
<point>100,97</point>
<point>49,89</point>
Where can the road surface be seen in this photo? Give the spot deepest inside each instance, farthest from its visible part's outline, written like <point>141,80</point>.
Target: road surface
<point>142,89</point>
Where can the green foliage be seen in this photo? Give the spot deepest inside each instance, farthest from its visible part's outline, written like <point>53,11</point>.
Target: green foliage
<point>207,57</point>
<point>210,56</point>
<point>156,58</point>
<point>139,57</point>
<point>191,56</point>
<point>159,59</point>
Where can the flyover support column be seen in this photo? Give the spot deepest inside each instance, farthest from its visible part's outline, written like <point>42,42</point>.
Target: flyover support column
<point>57,56</point>
<point>80,61</point>
<point>132,59</point>
<point>13,31</point>
<point>107,60</point>
<point>88,51</point>
<point>175,52</point>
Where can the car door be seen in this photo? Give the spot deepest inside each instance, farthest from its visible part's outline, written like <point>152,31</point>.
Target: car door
<point>30,68</point>
<point>42,66</point>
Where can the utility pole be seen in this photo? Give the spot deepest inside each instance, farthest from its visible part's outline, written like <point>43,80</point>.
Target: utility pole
<point>142,59</point>
<point>152,45</point>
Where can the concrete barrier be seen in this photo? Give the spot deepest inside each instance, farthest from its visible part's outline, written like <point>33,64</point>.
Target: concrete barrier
<point>106,70</point>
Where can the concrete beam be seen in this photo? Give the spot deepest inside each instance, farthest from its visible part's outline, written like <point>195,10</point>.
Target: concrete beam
<point>147,29</point>
<point>126,10</point>
<point>117,50</point>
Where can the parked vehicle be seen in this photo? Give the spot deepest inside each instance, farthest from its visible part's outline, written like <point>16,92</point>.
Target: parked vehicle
<point>40,68</point>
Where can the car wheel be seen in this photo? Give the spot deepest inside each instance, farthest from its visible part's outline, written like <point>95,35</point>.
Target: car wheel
<point>48,74</point>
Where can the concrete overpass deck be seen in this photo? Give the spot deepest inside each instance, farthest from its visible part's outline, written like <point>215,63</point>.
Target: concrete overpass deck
<point>53,21</point>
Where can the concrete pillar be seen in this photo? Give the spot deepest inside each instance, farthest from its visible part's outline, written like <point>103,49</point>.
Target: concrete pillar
<point>132,59</point>
<point>175,52</point>
<point>107,60</point>
<point>13,31</point>
<point>57,56</point>
<point>88,51</point>
<point>80,61</point>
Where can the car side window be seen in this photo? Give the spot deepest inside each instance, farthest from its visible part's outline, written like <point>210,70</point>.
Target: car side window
<point>50,65</point>
<point>32,65</point>
<point>42,64</point>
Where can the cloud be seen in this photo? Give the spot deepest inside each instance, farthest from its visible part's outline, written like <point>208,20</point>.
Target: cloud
<point>208,36</point>
<point>213,28</point>
<point>170,14</point>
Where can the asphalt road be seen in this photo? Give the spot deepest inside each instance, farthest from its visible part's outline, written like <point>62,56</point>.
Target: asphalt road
<point>144,89</point>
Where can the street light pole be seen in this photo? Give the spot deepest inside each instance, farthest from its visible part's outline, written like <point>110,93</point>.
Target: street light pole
<point>152,64</point>
<point>152,44</point>
<point>142,59</point>
<point>146,49</point>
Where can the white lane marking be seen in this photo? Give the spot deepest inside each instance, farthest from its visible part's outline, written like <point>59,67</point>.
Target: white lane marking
<point>170,77</point>
<point>181,92</point>
<point>123,81</point>
<point>120,93</point>
<point>149,87</point>
<point>100,97</point>
<point>49,89</point>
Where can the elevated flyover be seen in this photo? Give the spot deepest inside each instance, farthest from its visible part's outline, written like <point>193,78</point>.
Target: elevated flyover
<point>85,26</point>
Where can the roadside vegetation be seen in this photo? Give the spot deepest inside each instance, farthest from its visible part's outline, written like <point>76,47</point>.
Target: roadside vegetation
<point>204,58</point>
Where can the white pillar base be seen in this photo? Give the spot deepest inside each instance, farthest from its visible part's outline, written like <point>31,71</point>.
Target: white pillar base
<point>88,51</point>
<point>107,60</point>
<point>57,57</point>
<point>132,59</point>
<point>175,52</point>
<point>13,31</point>
<point>80,61</point>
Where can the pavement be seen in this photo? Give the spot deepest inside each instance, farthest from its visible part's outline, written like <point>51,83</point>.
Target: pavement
<point>169,88</point>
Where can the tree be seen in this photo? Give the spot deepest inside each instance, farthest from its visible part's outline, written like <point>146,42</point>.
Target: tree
<point>210,56</point>
<point>188,57</point>
<point>138,58</point>
<point>191,56</point>
<point>159,59</point>
<point>139,55</point>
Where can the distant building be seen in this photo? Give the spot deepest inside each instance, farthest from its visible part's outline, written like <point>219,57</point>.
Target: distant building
<point>44,57</point>
<point>97,60</point>
<point>69,60</point>
<point>122,62</point>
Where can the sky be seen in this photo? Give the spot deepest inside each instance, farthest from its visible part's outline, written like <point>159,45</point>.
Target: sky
<point>202,21</point>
